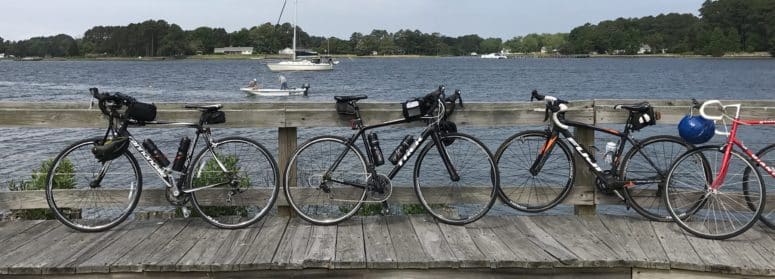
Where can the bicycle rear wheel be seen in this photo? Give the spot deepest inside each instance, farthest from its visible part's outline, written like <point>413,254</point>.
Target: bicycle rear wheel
<point>540,192</point>
<point>767,155</point>
<point>244,193</point>
<point>81,199</point>
<point>723,213</point>
<point>463,201</point>
<point>325,200</point>
<point>647,165</point>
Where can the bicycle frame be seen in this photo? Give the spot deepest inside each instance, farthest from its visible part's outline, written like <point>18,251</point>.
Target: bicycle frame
<point>623,138</point>
<point>731,142</point>
<point>429,131</point>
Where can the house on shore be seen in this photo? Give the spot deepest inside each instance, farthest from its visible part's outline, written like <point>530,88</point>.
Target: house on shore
<point>233,50</point>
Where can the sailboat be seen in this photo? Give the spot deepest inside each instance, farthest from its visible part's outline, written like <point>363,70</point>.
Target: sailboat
<point>316,64</point>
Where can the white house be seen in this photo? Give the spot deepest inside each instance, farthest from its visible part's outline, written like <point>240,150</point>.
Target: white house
<point>2,55</point>
<point>234,50</point>
<point>644,48</point>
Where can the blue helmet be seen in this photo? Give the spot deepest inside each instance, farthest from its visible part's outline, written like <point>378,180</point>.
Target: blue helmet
<point>695,129</point>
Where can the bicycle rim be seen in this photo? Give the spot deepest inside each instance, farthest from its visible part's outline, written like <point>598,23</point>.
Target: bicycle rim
<point>456,202</point>
<point>244,193</point>
<point>724,213</point>
<point>333,202</point>
<point>647,166</point>
<point>534,193</point>
<point>83,204</point>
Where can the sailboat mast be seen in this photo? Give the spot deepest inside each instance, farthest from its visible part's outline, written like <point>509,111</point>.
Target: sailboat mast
<point>295,15</point>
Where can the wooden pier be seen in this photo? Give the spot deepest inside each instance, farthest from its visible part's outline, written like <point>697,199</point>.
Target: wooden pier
<point>578,245</point>
<point>285,246</point>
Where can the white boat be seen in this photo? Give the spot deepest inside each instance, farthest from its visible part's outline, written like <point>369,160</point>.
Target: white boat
<point>494,56</point>
<point>270,92</point>
<point>316,64</point>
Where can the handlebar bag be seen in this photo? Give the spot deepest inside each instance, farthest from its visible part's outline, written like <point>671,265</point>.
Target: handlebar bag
<point>414,108</point>
<point>141,111</point>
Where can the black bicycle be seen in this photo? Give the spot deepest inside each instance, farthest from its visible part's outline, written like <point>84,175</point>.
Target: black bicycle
<point>539,169</point>
<point>328,178</point>
<point>95,184</point>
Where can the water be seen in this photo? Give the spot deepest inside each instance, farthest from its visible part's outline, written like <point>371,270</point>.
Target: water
<point>393,80</point>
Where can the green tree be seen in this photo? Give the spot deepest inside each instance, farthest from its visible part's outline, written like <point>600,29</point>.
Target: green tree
<point>491,45</point>
<point>2,45</point>
<point>174,42</point>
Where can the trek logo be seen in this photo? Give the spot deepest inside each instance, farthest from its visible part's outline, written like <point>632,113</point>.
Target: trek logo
<point>409,151</point>
<point>584,154</point>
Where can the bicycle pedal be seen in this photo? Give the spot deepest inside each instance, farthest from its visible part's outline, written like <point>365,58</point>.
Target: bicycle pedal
<point>186,212</point>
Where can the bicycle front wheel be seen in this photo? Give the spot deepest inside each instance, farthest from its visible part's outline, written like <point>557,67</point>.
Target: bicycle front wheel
<point>240,195</point>
<point>538,192</point>
<point>461,201</point>
<point>90,196</point>
<point>714,213</point>
<point>325,180</point>
<point>646,166</point>
<point>767,155</point>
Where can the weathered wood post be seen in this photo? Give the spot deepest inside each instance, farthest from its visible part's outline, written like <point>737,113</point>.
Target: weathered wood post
<point>286,142</point>
<point>584,184</point>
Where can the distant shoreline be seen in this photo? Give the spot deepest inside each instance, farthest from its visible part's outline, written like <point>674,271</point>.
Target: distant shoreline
<point>754,55</point>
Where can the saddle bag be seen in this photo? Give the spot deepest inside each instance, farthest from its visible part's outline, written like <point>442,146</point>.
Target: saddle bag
<point>214,117</point>
<point>640,120</point>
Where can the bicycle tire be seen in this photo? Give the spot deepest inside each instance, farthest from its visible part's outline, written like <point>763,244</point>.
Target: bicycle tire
<point>326,210</point>
<point>707,220</point>
<point>646,198</point>
<point>768,213</point>
<point>517,170</point>
<point>73,169</point>
<point>247,200</point>
<point>467,208</point>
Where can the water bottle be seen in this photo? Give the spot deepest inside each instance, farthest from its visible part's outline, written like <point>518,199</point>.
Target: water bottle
<point>610,149</point>
<point>180,157</point>
<point>401,149</point>
<point>376,151</point>
<point>156,154</point>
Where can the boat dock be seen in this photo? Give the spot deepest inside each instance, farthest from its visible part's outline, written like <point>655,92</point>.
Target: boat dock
<point>587,243</point>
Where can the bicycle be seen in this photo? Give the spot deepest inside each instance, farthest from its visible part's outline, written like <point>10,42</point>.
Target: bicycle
<point>708,176</point>
<point>328,178</point>
<point>539,168</point>
<point>95,184</point>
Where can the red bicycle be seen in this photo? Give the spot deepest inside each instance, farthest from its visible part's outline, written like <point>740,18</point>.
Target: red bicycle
<point>717,189</point>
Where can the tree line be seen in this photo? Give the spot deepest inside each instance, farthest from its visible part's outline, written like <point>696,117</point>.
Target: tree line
<point>723,26</point>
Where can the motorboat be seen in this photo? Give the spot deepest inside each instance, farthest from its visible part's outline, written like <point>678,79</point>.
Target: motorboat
<point>494,56</point>
<point>272,92</point>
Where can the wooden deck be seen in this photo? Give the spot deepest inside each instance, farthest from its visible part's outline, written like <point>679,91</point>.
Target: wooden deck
<point>281,245</point>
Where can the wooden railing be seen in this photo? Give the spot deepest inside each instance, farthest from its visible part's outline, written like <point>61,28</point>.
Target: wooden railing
<point>289,117</point>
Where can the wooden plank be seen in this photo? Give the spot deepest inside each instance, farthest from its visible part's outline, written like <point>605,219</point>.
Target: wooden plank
<point>293,246</point>
<point>677,247</point>
<point>350,246</point>
<point>716,258</point>
<point>433,242</point>
<point>14,247</point>
<point>634,239</point>
<point>406,242</point>
<point>568,231</point>
<point>236,246</point>
<point>132,260</point>
<point>68,245</point>
<point>321,250</point>
<point>628,255</point>
<point>744,253</point>
<point>379,247</point>
<point>264,246</point>
<point>101,260</point>
<point>544,240</point>
<point>9,229</point>
<point>497,253</point>
<point>23,260</point>
<point>583,192</point>
<point>88,250</point>
<point>528,255</point>
<point>166,259</point>
<point>201,257</point>
<point>463,246</point>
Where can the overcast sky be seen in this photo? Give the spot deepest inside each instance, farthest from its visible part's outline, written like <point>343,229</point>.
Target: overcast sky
<point>494,18</point>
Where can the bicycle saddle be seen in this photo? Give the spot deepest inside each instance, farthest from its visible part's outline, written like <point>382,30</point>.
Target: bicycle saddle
<point>350,98</point>
<point>639,107</point>
<point>204,107</point>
